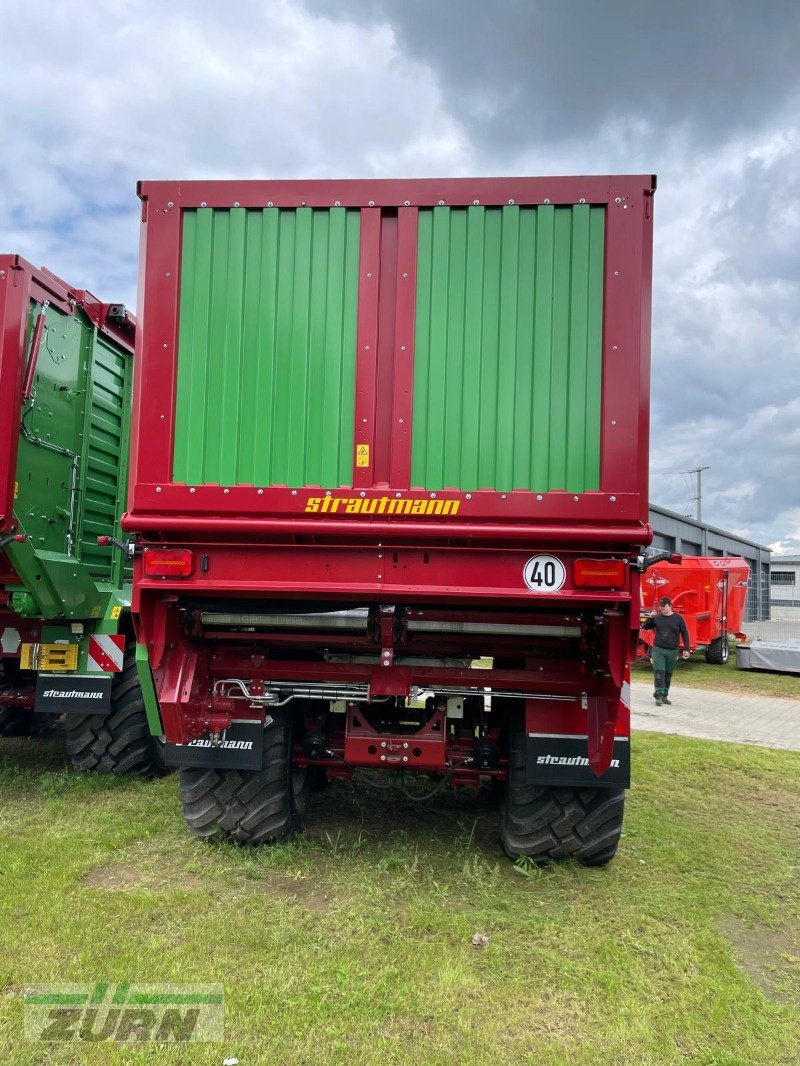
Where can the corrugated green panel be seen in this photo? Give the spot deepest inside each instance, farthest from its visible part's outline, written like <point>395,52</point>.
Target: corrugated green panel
<point>267,347</point>
<point>104,473</point>
<point>507,375</point>
<point>72,468</point>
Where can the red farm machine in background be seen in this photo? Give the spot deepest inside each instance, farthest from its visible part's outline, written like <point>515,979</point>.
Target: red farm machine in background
<point>383,429</point>
<point>709,592</point>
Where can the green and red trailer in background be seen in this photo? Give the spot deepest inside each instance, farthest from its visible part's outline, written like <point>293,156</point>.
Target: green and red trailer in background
<point>66,647</point>
<point>382,430</point>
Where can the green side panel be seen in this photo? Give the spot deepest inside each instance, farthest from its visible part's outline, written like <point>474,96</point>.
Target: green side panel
<point>104,474</point>
<point>71,475</point>
<point>267,347</point>
<point>508,350</point>
<point>148,691</point>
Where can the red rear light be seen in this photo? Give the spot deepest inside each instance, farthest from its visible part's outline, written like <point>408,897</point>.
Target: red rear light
<point>599,573</point>
<point>168,562</point>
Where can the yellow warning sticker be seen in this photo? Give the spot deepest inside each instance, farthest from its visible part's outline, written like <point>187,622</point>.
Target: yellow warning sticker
<point>16,490</point>
<point>116,611</point>
<point>362,455</point>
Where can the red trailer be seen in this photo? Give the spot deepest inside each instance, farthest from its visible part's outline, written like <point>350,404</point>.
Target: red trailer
<point>710,592</point>
<point>383,429</point>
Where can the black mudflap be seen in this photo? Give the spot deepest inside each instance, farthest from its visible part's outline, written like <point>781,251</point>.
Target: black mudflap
<point>73,694</point>
<point>563,762</point>
<point>241,748</point>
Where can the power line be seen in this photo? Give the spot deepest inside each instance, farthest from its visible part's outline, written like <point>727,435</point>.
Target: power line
<point>698,471</point>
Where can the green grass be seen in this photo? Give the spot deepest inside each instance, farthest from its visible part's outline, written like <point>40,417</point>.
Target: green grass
<point>352,944</point>
<point>697,673</point>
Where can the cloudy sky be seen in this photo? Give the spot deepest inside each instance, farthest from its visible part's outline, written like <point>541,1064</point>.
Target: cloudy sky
<point>704,93</point>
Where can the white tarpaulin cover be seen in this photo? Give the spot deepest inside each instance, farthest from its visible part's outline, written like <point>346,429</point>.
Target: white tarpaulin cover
<point>779,655</point>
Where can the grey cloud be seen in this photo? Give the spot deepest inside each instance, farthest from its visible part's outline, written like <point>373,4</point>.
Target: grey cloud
<point>518,69</point>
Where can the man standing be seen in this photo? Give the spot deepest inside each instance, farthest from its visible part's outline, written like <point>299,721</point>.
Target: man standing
<point>670,628</point>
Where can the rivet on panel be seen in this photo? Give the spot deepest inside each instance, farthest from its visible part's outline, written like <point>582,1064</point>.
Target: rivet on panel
<point>402,347</point>
<point>407,203</point>
<point>582,200</point>
<point>164,346</point>
<point>400,420</point>
<point>616,273</point>
<point>161,417</point>
<point>469,496</point>
<point>441,203</point>
<point>236,204</point>
<point>617,200</point>
<point>192,491</point>
<point>397,495</point>
<point>364,421</point>
<point>337,203</point>
<point>371,203</point>
<point>366,347</point>
<point>504,497</point>
<point>170,203</point>
<point>260,492</point>
<point>539,497</point>
<point>328,492</point>
<point>369,275</point>
<point>270,203</point>
<point>362,493</point>
<point>158,488</point>
<point>203,203</point>
<point>510,203</point>
<point>226,491</point>
<point>613,499</point>
<point>433,495</point>
<point>546,200</point>
<point>405,275</point>
<point>476,203</point>
<point>575,498</point>
<point>294,492</point>
<point>613,421</point>
<point>614,348</point>
<point>169,275</point>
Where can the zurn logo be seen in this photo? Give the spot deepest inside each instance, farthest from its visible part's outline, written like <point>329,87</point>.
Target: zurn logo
<point>125,1013</point>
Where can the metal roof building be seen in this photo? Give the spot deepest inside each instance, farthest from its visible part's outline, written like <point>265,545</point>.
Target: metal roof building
<point>674,532</point>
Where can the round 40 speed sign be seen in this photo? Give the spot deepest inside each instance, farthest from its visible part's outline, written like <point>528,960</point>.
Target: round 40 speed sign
<point>544,573</point>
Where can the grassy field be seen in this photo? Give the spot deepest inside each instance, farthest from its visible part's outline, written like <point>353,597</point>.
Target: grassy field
<point>697,673</point>
<point>353,944</point>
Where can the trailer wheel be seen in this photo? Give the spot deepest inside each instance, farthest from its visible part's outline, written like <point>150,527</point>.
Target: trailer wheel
<point>717,651</point>
<point>119,742</point>
<point>21,722</point>
<point>558,823</point>
<point>249,806</point>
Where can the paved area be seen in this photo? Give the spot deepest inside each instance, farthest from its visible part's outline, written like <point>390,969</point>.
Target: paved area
<point>764,720</point>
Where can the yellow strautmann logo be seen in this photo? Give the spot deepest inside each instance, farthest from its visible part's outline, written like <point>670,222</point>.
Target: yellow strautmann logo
<point>356,505</point>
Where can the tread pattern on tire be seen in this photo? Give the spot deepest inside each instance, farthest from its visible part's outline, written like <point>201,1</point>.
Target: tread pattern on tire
<point>247,806</point>
<point>21,722</point>
<point>558,823</point>
<point>119,742</point>
<point>716,652</point>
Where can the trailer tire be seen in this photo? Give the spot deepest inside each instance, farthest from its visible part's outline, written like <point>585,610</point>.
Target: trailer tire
<point>249,806</point>
<point>119,742</point>
<point>548,824</point>
<point>21,722</point>
<point>717,651</point>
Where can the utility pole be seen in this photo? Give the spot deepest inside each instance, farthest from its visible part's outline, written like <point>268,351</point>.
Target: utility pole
<point>698,470</point>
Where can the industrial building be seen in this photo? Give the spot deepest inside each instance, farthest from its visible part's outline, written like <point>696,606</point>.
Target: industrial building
<point>677,533</point>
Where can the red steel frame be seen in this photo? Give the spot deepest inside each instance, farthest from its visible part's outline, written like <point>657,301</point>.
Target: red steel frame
<point>257,541</point>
